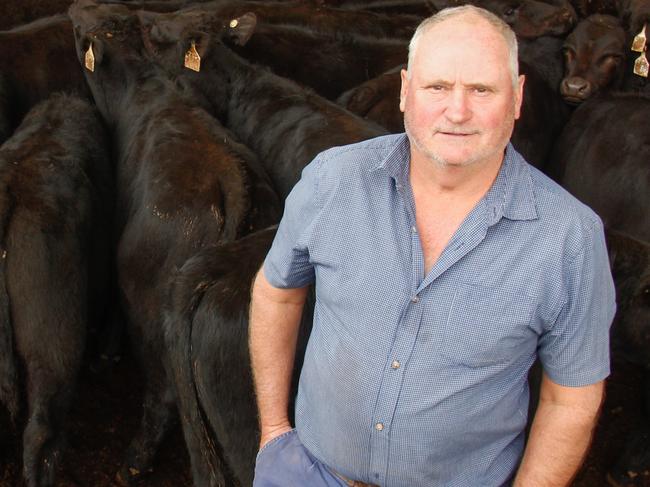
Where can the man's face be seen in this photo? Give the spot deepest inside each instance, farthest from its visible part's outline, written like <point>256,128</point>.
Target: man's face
<point>459,103</point>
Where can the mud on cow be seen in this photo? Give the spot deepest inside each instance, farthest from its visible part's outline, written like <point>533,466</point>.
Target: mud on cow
<point>184,183</point>
<point>54,193</point>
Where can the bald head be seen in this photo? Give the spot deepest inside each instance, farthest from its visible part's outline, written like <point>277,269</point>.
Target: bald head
<point>471,15</point>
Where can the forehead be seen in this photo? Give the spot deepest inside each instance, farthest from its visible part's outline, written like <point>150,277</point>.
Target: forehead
<point>467,46</point>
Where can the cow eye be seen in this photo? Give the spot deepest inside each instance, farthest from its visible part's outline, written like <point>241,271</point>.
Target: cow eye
<point>608,60</point>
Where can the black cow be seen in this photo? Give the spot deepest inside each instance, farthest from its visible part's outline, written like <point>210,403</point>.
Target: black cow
<point>594,58</point>
<point>207,335</point>
<point>183,183</point>
<point>630,261</point>
<point>286,125</point>
<point>36,60</point>
<point>54,185</point>
<point>328,63</point>
<point>605,164</point>
<point>528,18</point>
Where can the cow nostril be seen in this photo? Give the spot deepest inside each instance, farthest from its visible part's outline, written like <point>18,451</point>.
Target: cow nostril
<point>575,87</point>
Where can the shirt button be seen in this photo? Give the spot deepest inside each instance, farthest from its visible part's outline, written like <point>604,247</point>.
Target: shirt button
<point>414,230</point>
<point>379,426</point>
<point>415,299</point>
<point>395,364</point>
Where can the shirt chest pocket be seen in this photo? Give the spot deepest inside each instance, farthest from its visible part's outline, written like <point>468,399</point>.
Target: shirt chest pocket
<point>488,326</point>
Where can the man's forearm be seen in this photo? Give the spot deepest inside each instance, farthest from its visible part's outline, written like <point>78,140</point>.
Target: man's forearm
<point>559,439</point>
<point>274,323</point>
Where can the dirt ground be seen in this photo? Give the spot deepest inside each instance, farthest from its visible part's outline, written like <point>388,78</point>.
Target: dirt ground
<point>107,411</point>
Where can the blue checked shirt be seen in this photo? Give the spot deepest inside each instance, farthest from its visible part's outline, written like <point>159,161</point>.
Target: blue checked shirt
<point>421,380</point>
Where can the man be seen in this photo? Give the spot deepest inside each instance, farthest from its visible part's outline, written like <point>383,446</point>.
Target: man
<point>444,266</point>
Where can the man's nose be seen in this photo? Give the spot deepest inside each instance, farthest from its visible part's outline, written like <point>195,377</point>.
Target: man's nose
<point>458,109</point>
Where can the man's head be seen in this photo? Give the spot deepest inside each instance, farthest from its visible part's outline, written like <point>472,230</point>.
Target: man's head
<point>461,92</point>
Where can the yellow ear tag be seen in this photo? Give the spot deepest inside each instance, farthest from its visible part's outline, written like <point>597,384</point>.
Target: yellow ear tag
<point>234,23</point>
<point>90,59</point>
<point>641,66</point>
<point>638,44</point>
<point>192,58</point>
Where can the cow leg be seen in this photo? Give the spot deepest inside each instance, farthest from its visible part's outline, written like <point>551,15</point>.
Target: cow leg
<point>49,400</point>
<point>158,416</point>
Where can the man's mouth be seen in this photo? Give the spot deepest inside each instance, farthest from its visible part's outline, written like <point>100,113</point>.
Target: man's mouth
<point>456,133</point>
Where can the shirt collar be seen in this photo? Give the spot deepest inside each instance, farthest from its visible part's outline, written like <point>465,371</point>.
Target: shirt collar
<point>511,195</point>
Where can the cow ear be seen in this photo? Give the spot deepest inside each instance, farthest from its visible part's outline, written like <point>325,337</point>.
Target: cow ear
<point>362,100</point>
<point>241,29</point>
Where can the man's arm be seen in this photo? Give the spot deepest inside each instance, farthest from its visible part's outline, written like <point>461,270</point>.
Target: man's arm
<point>560,435</point>
<point>273,330</point>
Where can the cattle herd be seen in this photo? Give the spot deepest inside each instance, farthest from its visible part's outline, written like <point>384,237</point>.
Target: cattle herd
<point>147,148</point>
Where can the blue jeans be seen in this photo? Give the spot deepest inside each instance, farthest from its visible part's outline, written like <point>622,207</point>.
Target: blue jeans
<point>285,462</point>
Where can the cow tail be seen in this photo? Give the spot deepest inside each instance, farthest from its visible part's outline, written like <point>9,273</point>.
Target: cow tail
<point>8,371</point>
<point>179,335</point>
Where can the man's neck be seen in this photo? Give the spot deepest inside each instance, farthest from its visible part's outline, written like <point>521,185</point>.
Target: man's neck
<point>453,180</point>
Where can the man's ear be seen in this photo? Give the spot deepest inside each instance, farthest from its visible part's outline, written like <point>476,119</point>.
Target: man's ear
<point>241,29</point>
<point>519,95</point>
<point>403,91</point>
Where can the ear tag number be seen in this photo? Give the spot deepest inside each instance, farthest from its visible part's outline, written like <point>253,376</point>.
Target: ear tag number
<point>89,59</point>
<point>192,58</point>
<point>639,42</point>
<point>641,66</point>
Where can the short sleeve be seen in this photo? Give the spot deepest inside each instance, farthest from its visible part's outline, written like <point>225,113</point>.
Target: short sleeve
<point>287,265</point>
<point>575,351</point>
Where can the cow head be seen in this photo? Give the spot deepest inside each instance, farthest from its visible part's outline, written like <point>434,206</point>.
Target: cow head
<point>528,18</point>
<point>109,49</point>
<point>594,57</point>
<point>169,37</point>
<point>630,263</point>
